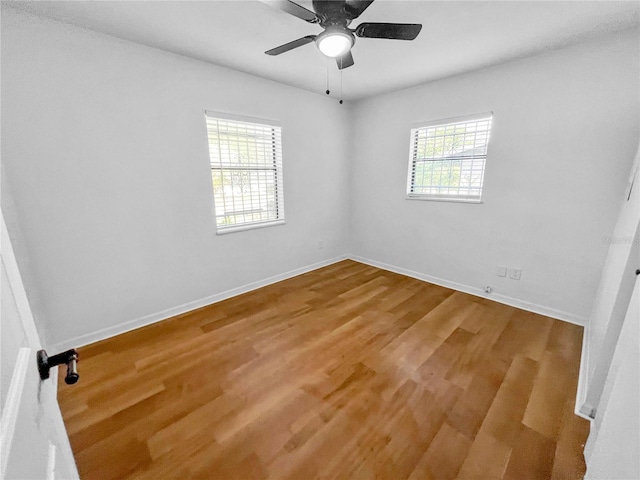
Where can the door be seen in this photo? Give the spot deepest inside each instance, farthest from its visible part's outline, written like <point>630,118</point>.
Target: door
<point>33,439</point>
<point>614,439</point>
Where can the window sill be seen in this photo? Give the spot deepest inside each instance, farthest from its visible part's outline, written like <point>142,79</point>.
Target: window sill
<point>444,199</point>
<point>250,226</point>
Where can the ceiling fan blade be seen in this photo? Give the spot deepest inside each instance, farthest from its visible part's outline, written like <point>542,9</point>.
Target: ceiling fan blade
<point>345,61</point>
<point>354,8</point>
<point>291,45</point>
<point>293,9</point>
<point>395,31</point>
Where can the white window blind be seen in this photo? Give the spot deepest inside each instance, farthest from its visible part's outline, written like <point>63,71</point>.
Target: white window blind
<point>447,159</point>
<point>246,169</point>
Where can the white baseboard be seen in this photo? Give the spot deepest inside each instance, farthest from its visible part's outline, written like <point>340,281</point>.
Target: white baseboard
<point>121,328</point>
<point>128,326</point>
<point>582,409</point>
<point>478,292</point>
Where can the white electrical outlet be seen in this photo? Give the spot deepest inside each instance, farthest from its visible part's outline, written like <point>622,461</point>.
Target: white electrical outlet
<point>515,273</point>
<point>501,271</point>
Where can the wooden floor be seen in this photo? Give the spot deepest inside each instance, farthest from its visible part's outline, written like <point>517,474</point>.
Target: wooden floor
<point>345,372</point>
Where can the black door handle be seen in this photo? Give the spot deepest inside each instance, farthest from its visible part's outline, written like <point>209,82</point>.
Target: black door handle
<point>70,357</point>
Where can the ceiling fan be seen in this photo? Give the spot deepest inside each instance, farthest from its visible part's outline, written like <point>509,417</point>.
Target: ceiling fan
<point>335,16</point>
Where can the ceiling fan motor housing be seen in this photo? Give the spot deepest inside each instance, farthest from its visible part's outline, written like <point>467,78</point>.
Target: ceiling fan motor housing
<point>331,13</point>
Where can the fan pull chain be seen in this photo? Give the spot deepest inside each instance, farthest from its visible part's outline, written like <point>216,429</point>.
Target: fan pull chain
<point>328,91</point>
<point>340,80</point>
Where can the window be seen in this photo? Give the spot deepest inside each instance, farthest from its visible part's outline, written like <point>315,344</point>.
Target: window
<point>246,169</point>
<point>447,159</point>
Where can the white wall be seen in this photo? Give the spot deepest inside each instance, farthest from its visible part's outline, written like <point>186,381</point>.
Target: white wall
<point>564,136</point>
<point>105,155</point>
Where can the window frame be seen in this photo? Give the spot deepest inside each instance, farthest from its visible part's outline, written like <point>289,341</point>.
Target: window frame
<point>414,128</point>
<point>276,168</point>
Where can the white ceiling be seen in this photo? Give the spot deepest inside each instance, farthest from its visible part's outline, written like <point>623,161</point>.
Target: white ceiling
<point>457,36</point>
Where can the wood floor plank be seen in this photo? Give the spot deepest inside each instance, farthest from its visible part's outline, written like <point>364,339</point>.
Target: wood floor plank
<point>345,372</point>
<point>532,456</point>
<point>446,453</point>
<point>504,418</point>
<point>487,459</point>
<point>568,461</point>
<point>547,400</point>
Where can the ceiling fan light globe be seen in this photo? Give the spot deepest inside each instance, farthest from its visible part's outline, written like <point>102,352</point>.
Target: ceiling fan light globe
<point>334,44</point>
